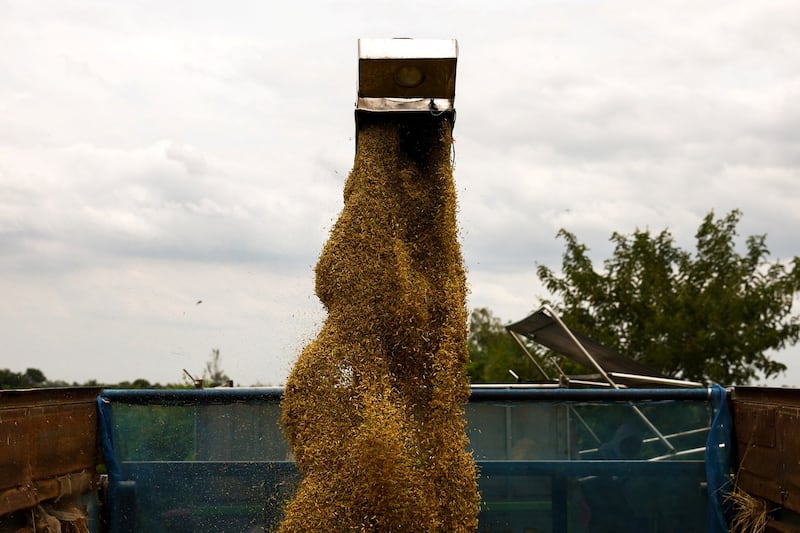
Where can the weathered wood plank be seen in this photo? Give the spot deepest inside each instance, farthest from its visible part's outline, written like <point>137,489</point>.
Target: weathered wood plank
<point>766,423</point>
<point>774,526</point>
<point>755,424</point>
<point>47,438</point>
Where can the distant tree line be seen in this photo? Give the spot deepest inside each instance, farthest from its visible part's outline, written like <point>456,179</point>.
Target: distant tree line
<point>715,314</point>
<point>32,378</point>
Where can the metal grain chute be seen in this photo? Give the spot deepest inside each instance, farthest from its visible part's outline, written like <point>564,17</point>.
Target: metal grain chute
<point>406,76</point>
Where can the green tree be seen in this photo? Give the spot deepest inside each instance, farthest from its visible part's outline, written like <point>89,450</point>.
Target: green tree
<point>31,378</point>
<point>713,315</point>
<point>493,352</point>
<point>139,383</point>
<point>35,377</point>
<point>213,375</point>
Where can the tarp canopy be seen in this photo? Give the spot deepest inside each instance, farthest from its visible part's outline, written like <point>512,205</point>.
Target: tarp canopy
<point>542,328</point>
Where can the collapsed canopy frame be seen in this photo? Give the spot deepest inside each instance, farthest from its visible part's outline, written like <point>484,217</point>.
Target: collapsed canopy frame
<point>546,328</point>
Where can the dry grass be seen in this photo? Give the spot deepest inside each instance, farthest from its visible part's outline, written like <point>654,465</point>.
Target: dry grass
<point>750,514</point>
<point>373,407</point>
<point>55,518</point>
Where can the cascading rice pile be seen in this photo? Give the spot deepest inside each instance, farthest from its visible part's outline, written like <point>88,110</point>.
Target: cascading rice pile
<point>373,407</point>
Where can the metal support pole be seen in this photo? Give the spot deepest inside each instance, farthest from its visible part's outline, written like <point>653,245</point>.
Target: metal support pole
<point>603,373</point>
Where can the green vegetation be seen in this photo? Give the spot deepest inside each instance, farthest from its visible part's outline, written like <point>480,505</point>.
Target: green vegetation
<point>493,352</point>
<point>715,314</point>
<point>33,378</point>
<point>155,432</point>
<point>213,375</point>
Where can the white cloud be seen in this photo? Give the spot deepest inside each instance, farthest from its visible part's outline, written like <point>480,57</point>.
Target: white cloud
<point>170,147</point>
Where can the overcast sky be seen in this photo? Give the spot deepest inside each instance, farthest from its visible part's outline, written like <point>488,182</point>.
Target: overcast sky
<point>154,155</point>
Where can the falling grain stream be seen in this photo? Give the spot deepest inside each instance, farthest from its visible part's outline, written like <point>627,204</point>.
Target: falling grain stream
<point>373,406</point>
